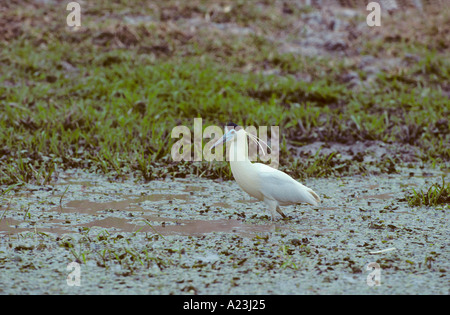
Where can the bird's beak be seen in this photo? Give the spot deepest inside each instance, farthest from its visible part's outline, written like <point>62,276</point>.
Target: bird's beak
<point>224,139</point>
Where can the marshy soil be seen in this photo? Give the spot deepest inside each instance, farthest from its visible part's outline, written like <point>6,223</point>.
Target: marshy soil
<point>202,236</point>
<point>205,236</point>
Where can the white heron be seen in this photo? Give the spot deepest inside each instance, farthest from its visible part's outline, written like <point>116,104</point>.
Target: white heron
<point>261,181</point>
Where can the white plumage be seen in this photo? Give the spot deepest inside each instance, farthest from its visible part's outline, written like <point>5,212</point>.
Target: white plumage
<point>261,181</point>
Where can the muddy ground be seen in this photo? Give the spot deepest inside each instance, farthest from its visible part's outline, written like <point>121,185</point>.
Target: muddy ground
<point>205,236</point>
<point>201,236</point>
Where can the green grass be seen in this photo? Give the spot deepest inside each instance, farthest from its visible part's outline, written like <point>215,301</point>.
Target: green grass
<point>82,100</point>
<point>436,194</point>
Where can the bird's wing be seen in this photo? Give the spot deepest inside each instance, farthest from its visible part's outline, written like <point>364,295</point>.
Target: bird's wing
<point>279,186</point>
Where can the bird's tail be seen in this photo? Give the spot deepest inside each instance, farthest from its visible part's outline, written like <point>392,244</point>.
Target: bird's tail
<point>309,196</point>
<point>316,197</point>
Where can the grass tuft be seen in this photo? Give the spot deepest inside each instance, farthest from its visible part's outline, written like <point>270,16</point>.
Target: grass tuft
<point>437,194</point>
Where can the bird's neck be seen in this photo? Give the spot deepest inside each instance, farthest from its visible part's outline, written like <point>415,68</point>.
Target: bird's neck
<point>244,172</point>
<point>239,150</point>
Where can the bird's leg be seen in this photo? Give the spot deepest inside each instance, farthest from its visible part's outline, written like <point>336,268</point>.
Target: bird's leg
<point>272,212</point>
<point>274,208</point>
<point>281,212</point>
<point>272,204</point>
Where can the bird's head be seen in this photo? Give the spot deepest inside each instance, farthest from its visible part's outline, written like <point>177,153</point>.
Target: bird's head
<point>231,131</point>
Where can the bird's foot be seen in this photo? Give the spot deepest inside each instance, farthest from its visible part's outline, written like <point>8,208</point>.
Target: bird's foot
<point>281,213</point>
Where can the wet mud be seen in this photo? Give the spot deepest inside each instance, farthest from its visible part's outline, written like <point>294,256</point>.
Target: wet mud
<point>199,236</point>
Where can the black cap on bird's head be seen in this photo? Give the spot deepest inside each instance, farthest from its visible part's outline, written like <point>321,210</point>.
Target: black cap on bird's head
<point>232,125</point>
<point>230,131</point>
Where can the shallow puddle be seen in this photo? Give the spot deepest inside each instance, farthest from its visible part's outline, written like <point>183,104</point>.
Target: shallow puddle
<point>155,223</point>
<point>146,213</point>
<point>130,204</point>
<point>12,226</point>
<point>151,224</point>
<point>221,205</point>
<point>194,188</point>
<point>166,226</point>
<point>8,225</point>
